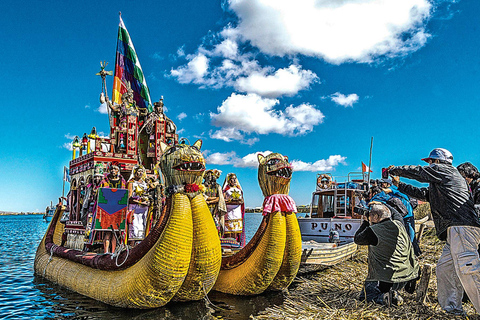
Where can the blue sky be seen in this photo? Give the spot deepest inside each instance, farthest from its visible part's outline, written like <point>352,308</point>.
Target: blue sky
<point>313,80</point>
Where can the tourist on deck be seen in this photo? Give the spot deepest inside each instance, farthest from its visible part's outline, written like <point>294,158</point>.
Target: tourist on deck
<point>113,179</point>
<point>233,194</point>
<point>138,204</point>
<point>456,222</point>
<point>215,200</point>
<point>472,176</point>
<point>391,262</point>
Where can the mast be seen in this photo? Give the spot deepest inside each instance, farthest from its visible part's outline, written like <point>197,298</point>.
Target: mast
<point>104,95</point>
<point>370,161</point>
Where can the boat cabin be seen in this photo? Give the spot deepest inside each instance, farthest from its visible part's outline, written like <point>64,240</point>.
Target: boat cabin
<point>335,210</point>
<point>134,139</point>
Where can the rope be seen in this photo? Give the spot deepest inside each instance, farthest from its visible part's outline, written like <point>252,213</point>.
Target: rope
<point>49,259</point>
<point>207,300</point>
<point>119,249</point>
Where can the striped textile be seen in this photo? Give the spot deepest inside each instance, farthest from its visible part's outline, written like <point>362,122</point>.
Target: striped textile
<point>127,68</point>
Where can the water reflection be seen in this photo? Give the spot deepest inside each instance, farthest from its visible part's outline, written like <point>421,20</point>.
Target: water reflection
<point>24,296</point>
<point>60,303</point>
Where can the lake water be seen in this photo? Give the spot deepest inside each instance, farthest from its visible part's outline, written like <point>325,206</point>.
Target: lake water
<point>25,296</point>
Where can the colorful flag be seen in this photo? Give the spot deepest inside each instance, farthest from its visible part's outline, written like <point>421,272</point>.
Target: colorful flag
<point>128,69</point>
<point>365,168</point>
<point>66,174</point>
<point>111,210</point>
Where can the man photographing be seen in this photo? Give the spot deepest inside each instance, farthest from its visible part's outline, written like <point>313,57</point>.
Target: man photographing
<point>456,222</point>
<point>391,262</point>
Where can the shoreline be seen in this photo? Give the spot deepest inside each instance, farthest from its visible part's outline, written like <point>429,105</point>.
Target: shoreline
<point>7,213</point>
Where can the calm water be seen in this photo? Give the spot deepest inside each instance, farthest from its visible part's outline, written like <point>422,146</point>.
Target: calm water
<point>23,296</point>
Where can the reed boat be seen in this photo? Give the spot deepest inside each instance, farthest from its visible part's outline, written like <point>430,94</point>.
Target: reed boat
<point>328,230</point>
<point>271,259</point>
<point>177,254</point>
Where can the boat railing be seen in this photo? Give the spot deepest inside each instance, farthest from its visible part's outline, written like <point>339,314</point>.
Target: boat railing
<point>354,181</point>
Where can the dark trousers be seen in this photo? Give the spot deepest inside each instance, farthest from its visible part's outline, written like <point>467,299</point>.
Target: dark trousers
<point>374,290</point>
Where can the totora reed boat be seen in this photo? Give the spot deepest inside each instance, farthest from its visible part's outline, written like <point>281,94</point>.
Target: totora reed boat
<point>129,235</point>
<point>135,230</point>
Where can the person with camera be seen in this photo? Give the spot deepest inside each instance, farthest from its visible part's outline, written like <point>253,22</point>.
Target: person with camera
<point>470,173</point>
<point>391,262</point>
<point>456,222</point>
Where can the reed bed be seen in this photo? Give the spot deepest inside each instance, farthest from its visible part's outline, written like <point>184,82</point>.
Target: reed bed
<point>331,293</point>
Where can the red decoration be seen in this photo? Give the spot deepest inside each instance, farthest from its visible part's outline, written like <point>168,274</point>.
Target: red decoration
<point>189,188</point>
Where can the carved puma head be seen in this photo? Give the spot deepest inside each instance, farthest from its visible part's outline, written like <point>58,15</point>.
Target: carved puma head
<point>274,174</point>
<point>182,164</point>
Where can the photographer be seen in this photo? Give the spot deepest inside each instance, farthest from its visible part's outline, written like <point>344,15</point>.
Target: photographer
<point>456,222</point>
<point>391,262</point>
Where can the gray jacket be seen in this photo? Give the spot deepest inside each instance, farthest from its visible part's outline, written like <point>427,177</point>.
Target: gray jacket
<point>450,200</point>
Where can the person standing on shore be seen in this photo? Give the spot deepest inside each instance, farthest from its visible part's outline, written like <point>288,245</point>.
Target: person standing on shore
<point>472,176</point>
<point>456,222</point>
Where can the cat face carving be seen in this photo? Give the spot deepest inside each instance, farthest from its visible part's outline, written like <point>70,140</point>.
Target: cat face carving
<point>183,164</point>
<point>274,174</point>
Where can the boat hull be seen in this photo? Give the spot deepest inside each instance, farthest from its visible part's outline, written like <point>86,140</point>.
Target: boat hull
<point>318,229</point>
<point>150,282</point>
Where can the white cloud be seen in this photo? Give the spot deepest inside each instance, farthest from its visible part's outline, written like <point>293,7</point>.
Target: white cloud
<point>287,81</point>
<point>68,146</point>
<point>182,116</point>
<point>343,100</point>
<point>337,31</point>
<point>250,161</point>
<point>223,66</point>
<point>103,108</point>
<point>252,113</point>
<point>194,71</point>
<point>227,49</point>
<point>319,165</point>
<point>231,134</point>
<point>222,158</point>
<point>70,136</point>
<point>157,56</point>
<point>227,134</point>
<point>87,106</point>
<point>231,158</point>
<point>181,131</point>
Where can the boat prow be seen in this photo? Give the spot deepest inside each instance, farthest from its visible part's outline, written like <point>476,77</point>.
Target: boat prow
<point>148,277</point>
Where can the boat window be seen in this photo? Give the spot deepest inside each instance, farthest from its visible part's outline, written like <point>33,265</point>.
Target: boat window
<point>314,208</point>
<point>328,204</point>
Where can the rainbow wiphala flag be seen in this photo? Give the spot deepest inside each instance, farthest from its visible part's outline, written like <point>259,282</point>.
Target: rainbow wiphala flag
<point>127,68</point>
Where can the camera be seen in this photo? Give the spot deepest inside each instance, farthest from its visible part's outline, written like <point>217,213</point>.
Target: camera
<point>361,211</point>
<point>384,173</point>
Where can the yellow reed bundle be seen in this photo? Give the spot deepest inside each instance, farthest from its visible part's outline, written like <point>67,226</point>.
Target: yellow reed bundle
<point>206,254</point>
<point>257,272</point>
<point>150,283</point>
<point>292,255</point>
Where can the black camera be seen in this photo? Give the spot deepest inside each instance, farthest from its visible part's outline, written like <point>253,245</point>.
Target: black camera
<point>384,173</point>
<point>361,211</point>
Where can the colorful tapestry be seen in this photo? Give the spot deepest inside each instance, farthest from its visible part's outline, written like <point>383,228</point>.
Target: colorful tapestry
<point>127,68</point>
<point>111,209</point>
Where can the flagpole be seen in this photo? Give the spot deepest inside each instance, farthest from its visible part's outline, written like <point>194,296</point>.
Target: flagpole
<point>63,188</point>
<point>370,161</point>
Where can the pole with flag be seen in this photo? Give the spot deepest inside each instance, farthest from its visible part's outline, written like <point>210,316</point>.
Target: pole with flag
<point>128,69</point>
<point>370,160</point>
<point>66,177</point>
